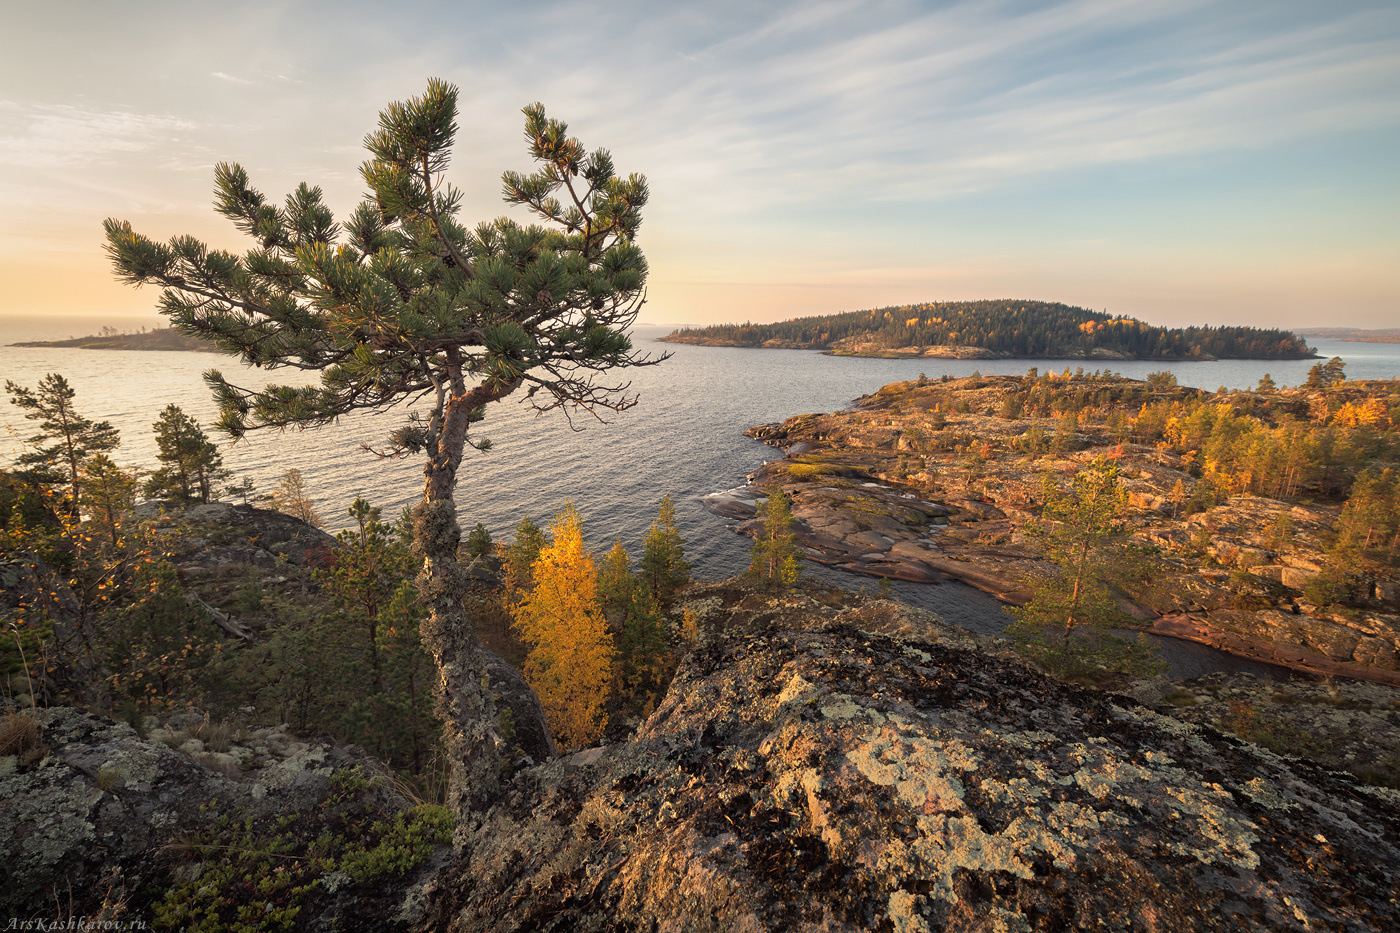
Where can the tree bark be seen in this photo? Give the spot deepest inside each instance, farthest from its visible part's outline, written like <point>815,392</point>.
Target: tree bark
<point>465,701</point>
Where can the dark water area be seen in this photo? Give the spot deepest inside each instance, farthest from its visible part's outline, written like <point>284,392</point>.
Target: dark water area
<point>683,438</point>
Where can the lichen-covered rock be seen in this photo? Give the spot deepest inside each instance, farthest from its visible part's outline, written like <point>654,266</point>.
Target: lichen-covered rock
<point>529,732</point>
<point>837,779</point>
<point>220,536</point>
<point>106,819</point>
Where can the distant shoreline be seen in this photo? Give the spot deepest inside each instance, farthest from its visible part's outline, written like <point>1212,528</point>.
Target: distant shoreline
<point>1002,329</point>
<point>160,338</point>
<point>1353,334</point>
<point>1094,354</point>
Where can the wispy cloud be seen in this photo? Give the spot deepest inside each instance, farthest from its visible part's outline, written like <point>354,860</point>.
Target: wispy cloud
<point>47,136</point>
<point>232,79</point>
<point>872,102</point>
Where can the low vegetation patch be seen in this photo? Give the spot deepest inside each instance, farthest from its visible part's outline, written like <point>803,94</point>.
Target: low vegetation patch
<point>241,876</point>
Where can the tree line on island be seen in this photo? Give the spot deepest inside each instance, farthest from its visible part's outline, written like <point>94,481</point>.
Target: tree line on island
<point>1014,328</point>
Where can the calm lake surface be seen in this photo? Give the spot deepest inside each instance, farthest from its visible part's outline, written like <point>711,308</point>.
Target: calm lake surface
<point>684,437</point>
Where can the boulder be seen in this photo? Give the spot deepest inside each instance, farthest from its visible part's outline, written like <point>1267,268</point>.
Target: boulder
<point>513,694</point>
<point>99,822</point>
<point>834,778</point>
<point>243,527</point>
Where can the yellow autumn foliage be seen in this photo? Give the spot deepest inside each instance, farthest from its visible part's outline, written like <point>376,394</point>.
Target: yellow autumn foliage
<point>571,651</point>
<point>1370,412</point>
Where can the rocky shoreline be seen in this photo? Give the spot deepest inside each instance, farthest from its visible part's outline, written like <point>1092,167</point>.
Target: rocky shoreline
<point>822,759</point>
<point>870,495</point>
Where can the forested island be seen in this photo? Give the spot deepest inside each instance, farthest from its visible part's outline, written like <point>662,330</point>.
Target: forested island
<point>1000,328</point>
<point>157,338</point>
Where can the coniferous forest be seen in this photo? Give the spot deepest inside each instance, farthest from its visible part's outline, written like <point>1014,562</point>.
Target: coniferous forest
<point>1005,327</point>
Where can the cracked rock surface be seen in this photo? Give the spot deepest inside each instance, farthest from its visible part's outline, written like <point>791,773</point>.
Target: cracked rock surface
<point>809,773</point>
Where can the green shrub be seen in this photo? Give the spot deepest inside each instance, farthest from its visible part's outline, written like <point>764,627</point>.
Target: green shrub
<point>259,877</point>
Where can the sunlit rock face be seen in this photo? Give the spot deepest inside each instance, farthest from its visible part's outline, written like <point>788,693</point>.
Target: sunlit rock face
<point>816,775</point>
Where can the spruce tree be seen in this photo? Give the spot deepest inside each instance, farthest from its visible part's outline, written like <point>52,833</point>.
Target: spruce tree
<point>616,584</point>
<point>66,439</point>
<point>663,563</point>
<point>479,542</point>
<point>518,558</point>
<point>402,303</point>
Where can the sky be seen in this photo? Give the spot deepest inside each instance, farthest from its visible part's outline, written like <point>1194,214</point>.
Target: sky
<point>1192,162</point>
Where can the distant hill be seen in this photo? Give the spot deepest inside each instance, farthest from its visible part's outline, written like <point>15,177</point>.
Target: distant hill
<point>1386,335</point>
<point>1000,328</point>
<point>159,338</point>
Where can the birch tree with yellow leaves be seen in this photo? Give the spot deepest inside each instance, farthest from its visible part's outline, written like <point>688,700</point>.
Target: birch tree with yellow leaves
<point>571,651</point>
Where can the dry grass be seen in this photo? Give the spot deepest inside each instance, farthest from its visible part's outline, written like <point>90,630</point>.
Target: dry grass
<point>219,736</point>
<point>19,733</point>
<point>428,786</point>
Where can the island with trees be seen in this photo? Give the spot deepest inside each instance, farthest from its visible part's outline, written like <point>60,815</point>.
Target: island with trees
<point>1000,329</point>
<point>109,338</point>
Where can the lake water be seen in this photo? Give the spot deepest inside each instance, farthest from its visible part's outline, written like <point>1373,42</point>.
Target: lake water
<point>685,438</point>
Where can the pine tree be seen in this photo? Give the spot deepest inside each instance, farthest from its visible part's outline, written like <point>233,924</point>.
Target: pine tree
<point>1065,626</point>
<point>1067,432</point>
<point>663,563</point>
<point>192,463</point>
<point>1368,525</point>
<point>1325,375</point>
<point>401,302</point>
<point>571,653</point>
<point>243,489</point>
<point>368,569</point>
<point>776,558</point>
<point>74,438</point>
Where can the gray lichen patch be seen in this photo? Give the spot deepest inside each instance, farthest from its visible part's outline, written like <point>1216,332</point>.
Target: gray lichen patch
<point>831,778</point>
<point>104,807</point>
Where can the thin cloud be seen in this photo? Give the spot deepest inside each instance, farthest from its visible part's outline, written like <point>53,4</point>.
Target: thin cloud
<point>47,136</point>
<point>868,103</point>
<point>231,79</point>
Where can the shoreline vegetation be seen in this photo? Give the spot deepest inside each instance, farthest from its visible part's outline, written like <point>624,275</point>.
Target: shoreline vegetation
<point>156,338</point>
<point>1262,523</point>
<point>999,329</point>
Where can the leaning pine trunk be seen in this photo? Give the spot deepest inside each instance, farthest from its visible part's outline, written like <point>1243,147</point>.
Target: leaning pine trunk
<point>464,694</point>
